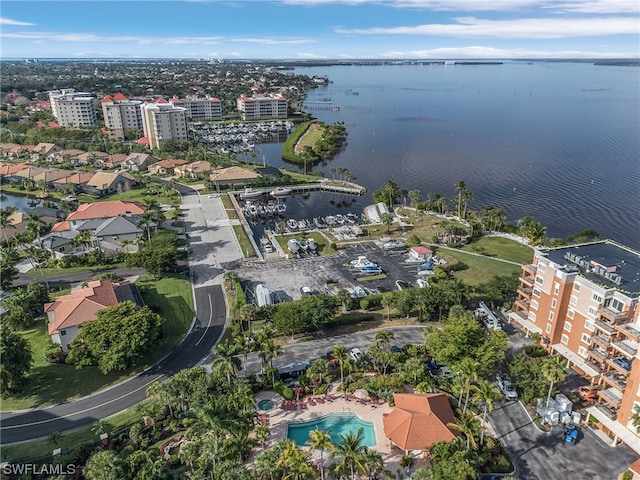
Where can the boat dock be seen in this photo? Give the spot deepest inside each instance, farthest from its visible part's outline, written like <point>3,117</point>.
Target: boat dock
<point>324,186</point>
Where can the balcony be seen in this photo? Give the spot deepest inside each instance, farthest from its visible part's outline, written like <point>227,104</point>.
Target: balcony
<point>615,380</point>
<point>611,397</point>
<point>525,291</point>
<point>605,327</point>
<point>620,364</point>
<point>607,411</point>
<point>523,303</point>
<point>625,348</point>
<point>601,340</point>
<point>629,330</point>
<point>529,270</point>
<point>597,355</point>
<point>613,315</point>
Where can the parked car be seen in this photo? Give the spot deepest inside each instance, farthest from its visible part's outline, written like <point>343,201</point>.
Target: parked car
<point>588,392</point>
<point>507,388</point>
<point>306,291</point>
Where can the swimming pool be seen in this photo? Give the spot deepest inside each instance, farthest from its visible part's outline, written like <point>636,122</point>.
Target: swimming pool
<point>338,423</point>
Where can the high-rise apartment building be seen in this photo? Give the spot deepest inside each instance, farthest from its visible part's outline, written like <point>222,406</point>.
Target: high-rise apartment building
<point>200,108</point>
<point>121,115</point>
<point>73,109</point>
<point>262,107</point>
<point>583,301</point>
<point>163,121</point>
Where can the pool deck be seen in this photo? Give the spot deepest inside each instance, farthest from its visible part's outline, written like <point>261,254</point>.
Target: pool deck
<point>279,418</point>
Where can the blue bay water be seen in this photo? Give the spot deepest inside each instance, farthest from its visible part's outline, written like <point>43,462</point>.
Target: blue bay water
<point>558,141</point>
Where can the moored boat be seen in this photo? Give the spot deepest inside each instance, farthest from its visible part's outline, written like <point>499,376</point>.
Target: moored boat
<point>251,193</point>
<point>292,224</point>
<point>280,192</point>
<point>293,246</point>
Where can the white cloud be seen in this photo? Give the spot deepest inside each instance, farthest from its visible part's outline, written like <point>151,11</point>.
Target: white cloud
<point>273,41</point>
<point>9,21</point>
<point>517,28</point>
<point>310,56</point>
<point>480,52</point>
<point>599,6</point>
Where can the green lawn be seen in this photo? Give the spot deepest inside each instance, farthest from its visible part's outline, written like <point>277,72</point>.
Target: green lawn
<point>312,135</point>
<point>95,268</point>
<point>499,247</point>
<point>24,452</point>
<point>52,383</point>
<point>479,269</point>
<point>141,194</point>
<point>243,240</point>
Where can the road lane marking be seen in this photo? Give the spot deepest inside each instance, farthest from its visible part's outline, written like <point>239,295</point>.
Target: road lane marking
<point>210,318</point>
<point>81,411</point>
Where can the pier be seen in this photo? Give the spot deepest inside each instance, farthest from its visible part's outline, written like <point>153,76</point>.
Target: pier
<point>324,186</point>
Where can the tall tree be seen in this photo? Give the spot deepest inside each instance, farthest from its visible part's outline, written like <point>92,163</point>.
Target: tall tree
<point>341,357</point>
<point>554,370</point>
<point>16,356</point>
<point>226,361</point>
<point>350,449</point>
<point>104,465</point>
<point>467,425</point>
<point>485,394</point>
<point>320,440</point>
<point>460,187</point>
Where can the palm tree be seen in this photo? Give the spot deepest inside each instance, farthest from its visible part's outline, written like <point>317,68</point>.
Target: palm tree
<point>104,465</point>
<point>485,393</point>
<point>387,302</point>
<point>145,220</point>
<point>247,313</point>
<point>535,232</point>
<point>344,298</point>
<point>295,462</point>
<point>54,438</point>
<point>373,463</point>
<point>262,433</point>
<point>341,357</point>
<point>387,220</point>
<point>268,351</point>
<point>99,427</point>
<point>635,418</point>
<point>318,370</point>
<point>226,361</point>
<point>554,370</point>
<point>383,339</point>
<point>350,449</point>
<point>460,187</point>
<point>469,369</point>
<point>467,425</point>
<point>320,440</point>
<point>6,222</point>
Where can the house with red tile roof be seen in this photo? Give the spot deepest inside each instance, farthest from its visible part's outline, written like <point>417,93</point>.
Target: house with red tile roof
<point>78,179</point>
<point>113,160</point>
<point>164,167</point>
<point>419,420</point>
<point>200,169</point>
<point>68,313</point>
<point>103,183</point>
<point>138,162</point>
<point>8,171</point>
<point>420,252</point>
<point>103,210</point>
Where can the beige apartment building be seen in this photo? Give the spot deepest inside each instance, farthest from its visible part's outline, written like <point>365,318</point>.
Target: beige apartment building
<point>208,108</point>
<point>73,109</point>
<point>262,107</point>
<point>583,301</point>
<point>163,121</point>
<point>121,115</point>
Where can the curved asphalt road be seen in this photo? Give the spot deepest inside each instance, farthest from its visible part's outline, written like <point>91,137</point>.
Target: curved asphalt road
<point>210,308</point>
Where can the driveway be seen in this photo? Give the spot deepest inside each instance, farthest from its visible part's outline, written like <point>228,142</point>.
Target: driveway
<point>542,456</point>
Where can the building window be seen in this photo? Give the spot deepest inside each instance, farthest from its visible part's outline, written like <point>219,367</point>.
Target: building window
<point>551,316</point>
<point>539,280</point>
<point>589,325</point>
<point>556,289</point>
<point>593,311</point>
<point>596,298</point>
<point>542,267</point>
<point>586,339</point>
<point>582,351</point>
<point>567,326</point>
<point>564,339</point>
<point>548,329</point>
<point>570,313</point>
<point>532,316</point>
<point>63,333</point>
<point>574,300</point>
<point>534,304</point>
<point>554,302</point>
<point>536,292</point>
<point>576,287</point>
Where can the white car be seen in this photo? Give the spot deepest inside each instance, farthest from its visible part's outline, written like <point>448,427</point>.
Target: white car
<point>355,354</point>
<point>507,388</point>
<point>213,195</point>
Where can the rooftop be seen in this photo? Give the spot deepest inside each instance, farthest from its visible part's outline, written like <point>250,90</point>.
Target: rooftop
<point>605,263</point>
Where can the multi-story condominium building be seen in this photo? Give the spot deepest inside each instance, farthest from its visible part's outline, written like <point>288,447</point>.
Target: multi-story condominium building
<point>262,107</point>
<point>121,115</point>
<point>200,108</point>
<point>583,301</point>
<point>73,109</point>
<point>162,122</point>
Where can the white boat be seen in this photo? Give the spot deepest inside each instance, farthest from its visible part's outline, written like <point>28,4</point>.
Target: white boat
<point>311,245</point>
<point>351,218</point>
<point>340,219</point>
<point>293,245</point>
<point>362,262</point>
<point>421,283</point>
<point>263,296</point>
<point>281,208</point>
<point>303,244</point>
<point>280,192</point>
<point>251,193</point>
<point>292,224</point>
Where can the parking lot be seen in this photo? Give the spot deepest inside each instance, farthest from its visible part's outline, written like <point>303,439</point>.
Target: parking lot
<point>284,278</point>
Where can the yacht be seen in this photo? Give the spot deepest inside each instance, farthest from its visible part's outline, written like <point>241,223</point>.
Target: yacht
<point>311,245</point>
<point>280,192</point>
<point>250,193</point>
<point>292,224</point>
<point>293,245</point>
<point>263,296</point>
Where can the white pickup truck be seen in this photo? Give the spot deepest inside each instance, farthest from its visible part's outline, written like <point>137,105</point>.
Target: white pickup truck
<point>506,387</point>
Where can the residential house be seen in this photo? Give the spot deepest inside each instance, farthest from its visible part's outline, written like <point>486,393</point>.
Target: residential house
<point>233,176</point>
<point>46,151</point>
<point>194,170</point>
<point>63,243</point>
<point>19,223</point>
<point>68,155</point>
<point>138,162</point>
<point>78,180</point>
<point>103,183</point>
<point>103,210</point>
<point>9,172</point>
<point>118,234</point>
<point>90,157</point>
<point>271,173</point>
<point>50,175</point>
<point>420,253</point>
<point>166,167</point>
<point>68,313</point>
<point>113,160</point>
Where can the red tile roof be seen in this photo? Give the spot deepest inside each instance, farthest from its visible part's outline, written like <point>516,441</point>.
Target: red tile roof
<point>107,99</point>
<point>143,141</point>
<point>120,96</point>
<point>161,100</point>
<point>421,250</point>
<point>61,227</point>
<point>419,420</point>
<point>81,305</point>
<point>111,208</point>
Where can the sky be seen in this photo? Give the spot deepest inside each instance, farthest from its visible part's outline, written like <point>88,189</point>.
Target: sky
<point>320,29</point>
